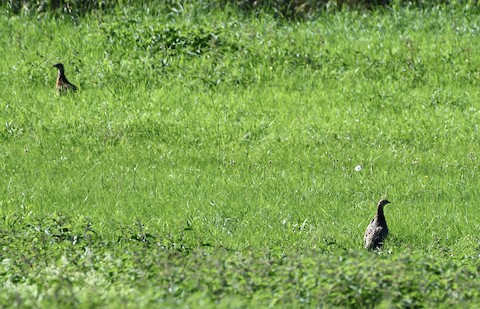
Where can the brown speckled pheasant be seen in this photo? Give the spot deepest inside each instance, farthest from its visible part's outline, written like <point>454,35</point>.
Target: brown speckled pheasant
<point>377,230</point>
<point>63,85</point>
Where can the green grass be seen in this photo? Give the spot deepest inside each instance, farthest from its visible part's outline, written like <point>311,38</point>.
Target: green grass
<point>209,159</point>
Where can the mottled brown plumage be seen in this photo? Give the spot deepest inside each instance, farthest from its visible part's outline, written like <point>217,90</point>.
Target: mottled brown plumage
<point>63,85</point>
<point>377,230</point>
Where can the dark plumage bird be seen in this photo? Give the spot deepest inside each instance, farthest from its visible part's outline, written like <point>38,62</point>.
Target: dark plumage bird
<point>377,230</point>
<point>63,85</point>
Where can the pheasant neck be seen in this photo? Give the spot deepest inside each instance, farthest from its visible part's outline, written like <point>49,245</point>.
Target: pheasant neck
<point>380,214</point>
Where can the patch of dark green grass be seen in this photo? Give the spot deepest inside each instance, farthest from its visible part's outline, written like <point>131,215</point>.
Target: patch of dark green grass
<point>57,261</point>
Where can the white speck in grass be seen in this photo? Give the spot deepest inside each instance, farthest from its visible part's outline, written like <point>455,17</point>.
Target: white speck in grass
<point>358,168</point>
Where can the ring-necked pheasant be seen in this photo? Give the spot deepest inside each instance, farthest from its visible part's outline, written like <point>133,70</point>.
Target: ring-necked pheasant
<point>63,85</point>
<point>377,230</point>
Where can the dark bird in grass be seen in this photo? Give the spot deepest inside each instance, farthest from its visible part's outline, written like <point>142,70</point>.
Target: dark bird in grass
<point>377,230</point>
<point>63,85</point>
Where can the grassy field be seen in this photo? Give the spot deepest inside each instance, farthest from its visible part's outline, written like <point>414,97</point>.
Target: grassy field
<point>214,159</point>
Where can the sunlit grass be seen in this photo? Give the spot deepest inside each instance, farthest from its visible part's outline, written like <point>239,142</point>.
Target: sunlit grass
<point>213,138</point>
